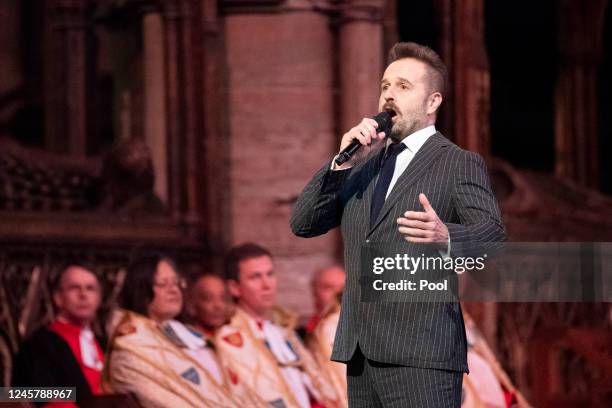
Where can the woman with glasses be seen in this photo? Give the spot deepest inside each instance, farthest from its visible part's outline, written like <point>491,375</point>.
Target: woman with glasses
<point>154,356</point>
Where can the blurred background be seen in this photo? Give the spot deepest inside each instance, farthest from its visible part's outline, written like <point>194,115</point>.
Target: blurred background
<point>187,126</point>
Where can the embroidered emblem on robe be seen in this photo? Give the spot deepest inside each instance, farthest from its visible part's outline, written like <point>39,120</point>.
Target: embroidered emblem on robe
<point>125,329</point>
<point>191,375</point>
<point>235,339</point>
<point>278,403</point>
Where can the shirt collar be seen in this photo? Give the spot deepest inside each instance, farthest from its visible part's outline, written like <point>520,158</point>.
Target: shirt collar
<point>415,140</point>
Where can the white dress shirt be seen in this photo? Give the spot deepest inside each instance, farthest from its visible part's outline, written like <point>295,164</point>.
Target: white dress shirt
<point>89,350</point>
<point>413,143</point>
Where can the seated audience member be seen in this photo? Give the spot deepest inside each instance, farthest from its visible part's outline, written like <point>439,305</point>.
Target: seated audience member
<point>157,358</point>
<point>327,286</point>
<point>487,385</point>
<point>66,353</point>
<point>260,344</point>
<point>209,305</point>
<point>209,308</point>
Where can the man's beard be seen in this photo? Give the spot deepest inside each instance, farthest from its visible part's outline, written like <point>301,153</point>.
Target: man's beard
<point>400,130</point>
<point>403,128</point>
<point>396,133</point>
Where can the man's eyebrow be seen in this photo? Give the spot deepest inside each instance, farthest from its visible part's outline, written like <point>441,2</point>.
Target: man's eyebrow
<point>400,79</point>
<point>404,80</point>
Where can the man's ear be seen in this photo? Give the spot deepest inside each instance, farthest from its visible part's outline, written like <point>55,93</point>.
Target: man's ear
<point>234,288</point>
<point>57,300</point>
<point>433,103</point>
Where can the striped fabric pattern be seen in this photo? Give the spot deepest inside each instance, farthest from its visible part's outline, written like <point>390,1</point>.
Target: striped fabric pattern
<point>422,335</point>
<point>373,385</point>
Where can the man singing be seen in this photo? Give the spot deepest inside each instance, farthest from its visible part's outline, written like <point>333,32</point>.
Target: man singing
<point>414,186</point>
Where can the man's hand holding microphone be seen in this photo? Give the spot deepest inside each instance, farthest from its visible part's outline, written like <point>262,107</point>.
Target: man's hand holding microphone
<point>359,140</point>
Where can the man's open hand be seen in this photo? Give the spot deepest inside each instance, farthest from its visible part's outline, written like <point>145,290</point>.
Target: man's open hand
<point>423,226</point>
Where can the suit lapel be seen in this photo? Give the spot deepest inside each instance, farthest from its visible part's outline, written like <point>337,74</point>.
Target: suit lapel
<point>421,162</point>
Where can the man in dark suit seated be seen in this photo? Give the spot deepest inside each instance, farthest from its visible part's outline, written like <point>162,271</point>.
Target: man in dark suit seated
<point>66,353</point>
<point>410,186</point>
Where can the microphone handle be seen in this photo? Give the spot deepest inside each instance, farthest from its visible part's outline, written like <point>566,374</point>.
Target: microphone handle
<point>348,152</point>
<point>384,121</point>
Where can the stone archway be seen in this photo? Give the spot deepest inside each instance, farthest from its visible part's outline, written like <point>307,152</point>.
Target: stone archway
<point>605,104</point>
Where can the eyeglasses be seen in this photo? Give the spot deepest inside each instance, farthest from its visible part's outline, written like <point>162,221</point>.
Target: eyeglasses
<point>166,284</point>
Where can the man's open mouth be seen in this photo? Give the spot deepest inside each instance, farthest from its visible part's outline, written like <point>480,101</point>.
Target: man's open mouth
<point>391,110</point>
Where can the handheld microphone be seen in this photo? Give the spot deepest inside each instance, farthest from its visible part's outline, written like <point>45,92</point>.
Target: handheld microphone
<point>383,119</point>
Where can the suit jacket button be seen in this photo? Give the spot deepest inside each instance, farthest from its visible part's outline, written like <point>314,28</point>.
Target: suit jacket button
<point>367,240</point>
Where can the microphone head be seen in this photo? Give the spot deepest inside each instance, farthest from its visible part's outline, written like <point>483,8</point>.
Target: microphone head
<point>384,121</point>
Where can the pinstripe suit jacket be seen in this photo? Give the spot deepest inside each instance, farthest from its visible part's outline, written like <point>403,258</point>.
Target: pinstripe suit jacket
<point>427,334</point>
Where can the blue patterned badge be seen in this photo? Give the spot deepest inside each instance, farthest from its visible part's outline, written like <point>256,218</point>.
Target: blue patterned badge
<point>278,403</point>
<point>191,375</point>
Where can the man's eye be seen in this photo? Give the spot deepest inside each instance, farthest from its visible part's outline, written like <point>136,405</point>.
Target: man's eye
<point>404,86</point>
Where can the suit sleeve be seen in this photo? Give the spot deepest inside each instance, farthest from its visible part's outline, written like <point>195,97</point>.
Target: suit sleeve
<point>475,204</point>
<point>319,208</point>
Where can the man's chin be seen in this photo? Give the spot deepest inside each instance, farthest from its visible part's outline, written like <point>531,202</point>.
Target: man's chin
<point>396,136</point>
<point>83,317</point>
<point>396,133</point>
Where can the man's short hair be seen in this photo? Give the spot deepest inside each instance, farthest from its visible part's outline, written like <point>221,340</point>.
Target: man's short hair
<point>195,278</point>
<point>437,72</point>
<point>240,253</point>
<point>56,279</point>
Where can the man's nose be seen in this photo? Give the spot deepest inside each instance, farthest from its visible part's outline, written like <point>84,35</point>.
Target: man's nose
<point>388,94</point>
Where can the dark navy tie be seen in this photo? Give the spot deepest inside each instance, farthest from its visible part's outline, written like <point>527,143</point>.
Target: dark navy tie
<point>384,179</point>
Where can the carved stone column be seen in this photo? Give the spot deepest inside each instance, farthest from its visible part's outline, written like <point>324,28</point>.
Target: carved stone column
<point>10,71</point>
<point>576,126</point>
<point>172,17</point>
<point>281,128</point>
<point>154,97</point>
<point>66,76</point>
<point>361,59</point>
<point>466,109</point>
<point>216,143</point>
<point>182,108</point>
<point>390,25</point>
